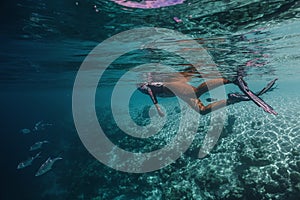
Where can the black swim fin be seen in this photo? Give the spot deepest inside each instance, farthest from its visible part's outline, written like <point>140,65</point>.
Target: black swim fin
<point>267,88</point>
<point>258,101</point>
<point>243,97</point>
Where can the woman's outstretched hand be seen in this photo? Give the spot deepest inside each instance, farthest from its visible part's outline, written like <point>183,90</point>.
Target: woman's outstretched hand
<point>159,110</point>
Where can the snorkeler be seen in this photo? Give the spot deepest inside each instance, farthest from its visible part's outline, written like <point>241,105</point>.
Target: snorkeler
<point>179,87</point>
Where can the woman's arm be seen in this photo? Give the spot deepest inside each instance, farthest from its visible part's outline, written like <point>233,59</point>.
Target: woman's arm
<point>154,100</point>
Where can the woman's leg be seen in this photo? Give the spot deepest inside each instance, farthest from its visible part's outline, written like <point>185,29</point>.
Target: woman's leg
<point>184,90</point>
<point>191,94</point>
<point>198,106</point>
<point>210,84</point>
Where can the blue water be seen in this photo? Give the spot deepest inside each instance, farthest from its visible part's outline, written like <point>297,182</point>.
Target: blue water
<point>43,44</point>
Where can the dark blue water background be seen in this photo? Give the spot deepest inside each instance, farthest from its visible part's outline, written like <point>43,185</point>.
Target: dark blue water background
<point>43,43</point>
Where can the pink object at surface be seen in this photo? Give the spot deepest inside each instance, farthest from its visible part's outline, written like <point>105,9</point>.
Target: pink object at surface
<point>176,19</point>
<point>148,4</point>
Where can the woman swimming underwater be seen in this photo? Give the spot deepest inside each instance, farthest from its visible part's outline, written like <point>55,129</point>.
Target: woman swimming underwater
<point>178,85</point>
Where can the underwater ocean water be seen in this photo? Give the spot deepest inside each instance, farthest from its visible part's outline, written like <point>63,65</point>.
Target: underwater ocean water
<point>43,45</point>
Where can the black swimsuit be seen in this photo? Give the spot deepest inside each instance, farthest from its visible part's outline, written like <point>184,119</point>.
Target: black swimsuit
<point>154,89</point>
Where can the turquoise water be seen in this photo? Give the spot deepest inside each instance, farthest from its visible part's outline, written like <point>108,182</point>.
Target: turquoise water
<point>43,44</point>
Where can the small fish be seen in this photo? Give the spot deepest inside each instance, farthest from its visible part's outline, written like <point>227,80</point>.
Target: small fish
<point>25,131</point>
<point>37,145</point>
<point>47,166</point>
<point>28,162</point>
<point>40,126</point>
